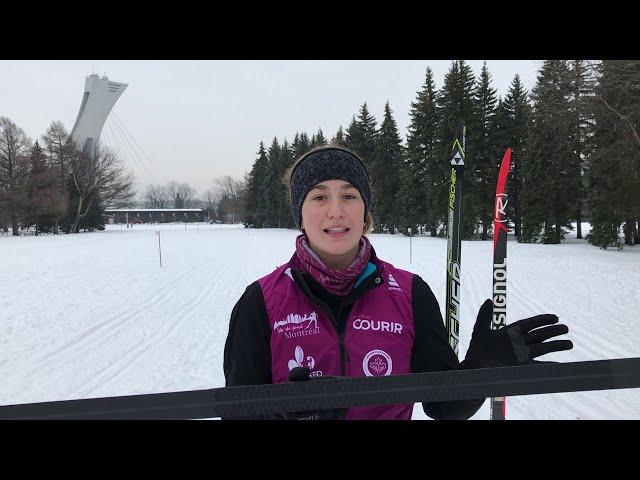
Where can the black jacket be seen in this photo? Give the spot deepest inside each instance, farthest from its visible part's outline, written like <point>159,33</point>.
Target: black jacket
<point>247,354</point>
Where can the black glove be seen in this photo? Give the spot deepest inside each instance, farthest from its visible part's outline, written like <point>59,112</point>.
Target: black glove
<point>302,374</point>
<point>514,344</point>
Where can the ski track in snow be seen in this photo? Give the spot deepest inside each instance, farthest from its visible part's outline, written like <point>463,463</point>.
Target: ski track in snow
<point>96,316</point>
<point>107,376</point>
<point>87,340</point>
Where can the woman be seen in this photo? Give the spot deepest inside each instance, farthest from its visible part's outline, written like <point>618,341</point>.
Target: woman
<point>336,309</point>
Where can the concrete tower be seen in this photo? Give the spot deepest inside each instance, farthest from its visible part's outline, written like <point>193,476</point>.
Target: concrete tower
<point>100,95</point>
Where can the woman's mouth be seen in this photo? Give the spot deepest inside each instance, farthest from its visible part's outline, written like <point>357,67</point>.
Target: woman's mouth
<point>336,232</point>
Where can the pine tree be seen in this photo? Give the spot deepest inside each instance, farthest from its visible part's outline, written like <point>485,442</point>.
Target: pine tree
<point>318,139</point>
<point>300,145</point>
<point>272,189</point>
<point>418,173</point>
<point>361,135</point>
<point>255,198</point>
<point>285,218</point>
<point>338,139</point>
<point>385,172</point>
<point>581,91</point>
<point>514,126</point>
<point>45,204</point>
<point>486,152</point>
<point>455,105</point>
<point>548,192</point>
<point>613,165</point>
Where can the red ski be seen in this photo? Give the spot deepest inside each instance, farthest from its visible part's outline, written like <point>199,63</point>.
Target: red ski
<point>498,404</point>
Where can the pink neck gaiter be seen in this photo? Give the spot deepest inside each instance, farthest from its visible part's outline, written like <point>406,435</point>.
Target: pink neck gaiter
<point>337,281</point>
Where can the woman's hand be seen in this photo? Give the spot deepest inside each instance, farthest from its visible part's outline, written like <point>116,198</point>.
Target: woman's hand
<point>514,344</point>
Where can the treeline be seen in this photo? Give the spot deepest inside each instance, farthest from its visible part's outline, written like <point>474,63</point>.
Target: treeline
<point>221,202</point>
<point>50,186</point>
<point>576,155</point>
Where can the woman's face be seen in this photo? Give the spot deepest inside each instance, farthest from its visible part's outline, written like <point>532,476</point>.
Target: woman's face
<point>333,219</point>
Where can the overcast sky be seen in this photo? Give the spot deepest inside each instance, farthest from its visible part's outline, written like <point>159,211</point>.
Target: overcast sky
<point>193,121</point>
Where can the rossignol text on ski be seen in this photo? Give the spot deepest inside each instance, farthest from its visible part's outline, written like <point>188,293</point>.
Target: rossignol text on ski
<point>499,320</point>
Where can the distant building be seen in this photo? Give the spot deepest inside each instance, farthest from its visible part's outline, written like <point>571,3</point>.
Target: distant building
<point>100,95</point>
<point>154,215</point>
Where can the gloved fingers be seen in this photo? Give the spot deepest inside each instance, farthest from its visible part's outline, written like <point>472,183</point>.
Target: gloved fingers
<point>540,349</point>
<point>299,374</point>
<point>545,333</point>
<point>483,320</point>
<point>535,322</point>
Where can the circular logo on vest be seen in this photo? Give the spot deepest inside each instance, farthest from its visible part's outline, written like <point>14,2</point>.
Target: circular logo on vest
<point>377,363</point>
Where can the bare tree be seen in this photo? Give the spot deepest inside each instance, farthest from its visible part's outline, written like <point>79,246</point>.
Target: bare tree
<point>59,148</point>
<point>211,197</point>
<point>14,171</point>
<point>230,189</point>
<point>156,196</point>
<point>182,194</point>
<point>98,177</point>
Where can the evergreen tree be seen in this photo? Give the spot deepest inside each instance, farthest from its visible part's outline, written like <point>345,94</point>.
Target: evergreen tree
<point>455,105</point>
<point>286,160</point>
<point>361,138</point>
<point>300,145</point>
<point>548,190</point>
<point>613,165</point>
<point>419,174</point>
<point>486,152</point>
<point>318,139</point>
<point>45,204</point>
<point>580,122</point>
<point>338,139</point>
<point>255,198</point>
<point>514,125</point>
<point>385,172</point>
<point>272,189</point>
<point>361,135</point>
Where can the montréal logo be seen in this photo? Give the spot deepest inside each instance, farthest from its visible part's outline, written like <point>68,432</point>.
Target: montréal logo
<point>296,325</point>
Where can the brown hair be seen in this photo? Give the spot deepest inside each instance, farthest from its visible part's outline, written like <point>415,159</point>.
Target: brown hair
<point>286,179</point>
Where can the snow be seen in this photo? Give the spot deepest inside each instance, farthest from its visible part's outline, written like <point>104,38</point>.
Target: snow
<point>93,314</point>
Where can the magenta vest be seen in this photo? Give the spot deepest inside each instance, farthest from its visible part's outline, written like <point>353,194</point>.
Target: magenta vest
<point>378,339</point>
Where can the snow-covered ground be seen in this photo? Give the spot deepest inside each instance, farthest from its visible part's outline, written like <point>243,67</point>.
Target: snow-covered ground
<point>94,315</point>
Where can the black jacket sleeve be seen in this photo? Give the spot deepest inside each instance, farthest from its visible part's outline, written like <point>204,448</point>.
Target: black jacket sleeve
<point>247,354</point>
<point>432,352</point>
<point>247,351</point>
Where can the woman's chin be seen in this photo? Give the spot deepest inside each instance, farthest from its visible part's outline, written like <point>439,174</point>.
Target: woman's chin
<point>339,247</point>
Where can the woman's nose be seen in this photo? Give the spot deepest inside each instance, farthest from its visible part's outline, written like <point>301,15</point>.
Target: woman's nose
<point>336,209</point>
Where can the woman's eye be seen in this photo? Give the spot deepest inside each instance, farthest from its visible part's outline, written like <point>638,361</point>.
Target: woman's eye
<point>349,196</point>
<point>319,198</point>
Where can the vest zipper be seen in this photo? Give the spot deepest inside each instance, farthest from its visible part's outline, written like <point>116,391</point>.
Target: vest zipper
<point>328,312</point>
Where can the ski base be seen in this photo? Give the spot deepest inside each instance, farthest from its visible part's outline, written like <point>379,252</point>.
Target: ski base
<point>256,400</point>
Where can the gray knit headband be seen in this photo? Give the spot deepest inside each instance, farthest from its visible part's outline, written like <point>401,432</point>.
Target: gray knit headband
<point>332,163</point>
